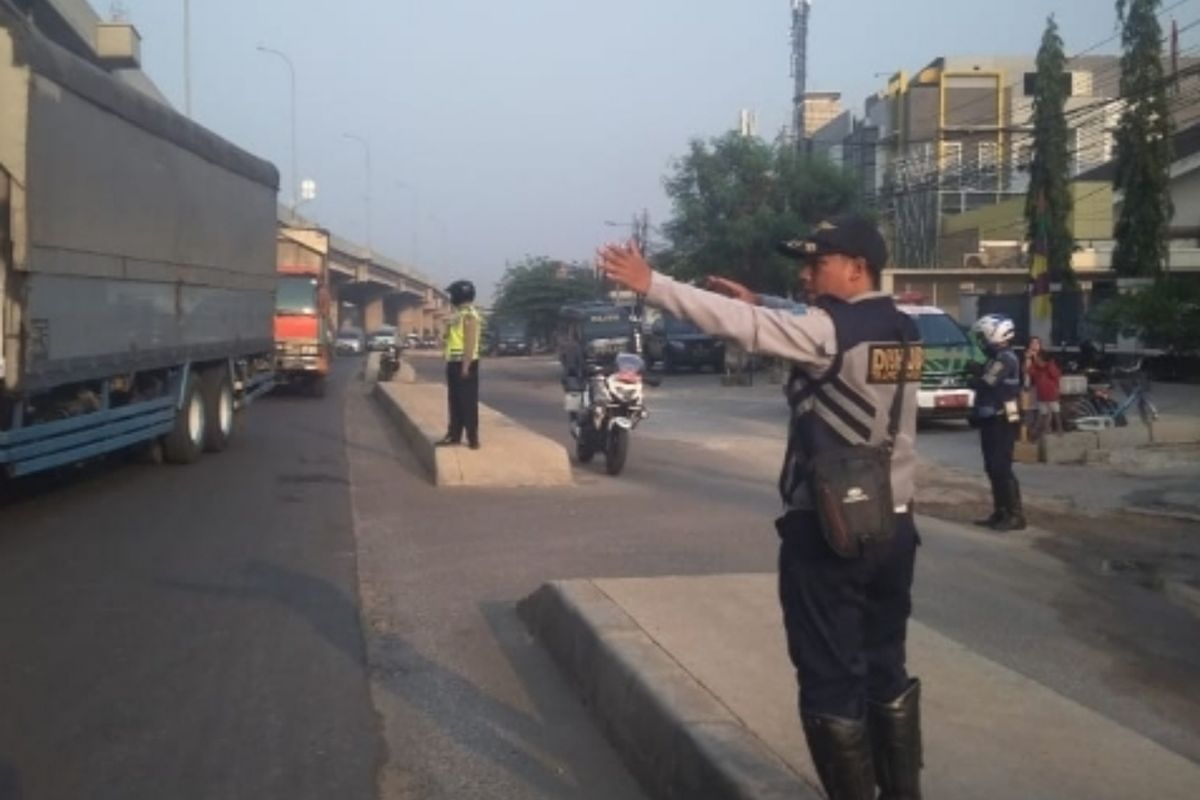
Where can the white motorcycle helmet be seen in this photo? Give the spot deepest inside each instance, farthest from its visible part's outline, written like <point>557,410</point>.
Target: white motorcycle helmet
<point>994,330</point>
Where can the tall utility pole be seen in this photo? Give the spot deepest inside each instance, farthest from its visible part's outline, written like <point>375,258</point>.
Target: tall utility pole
<point>800,11</point>
<point>641,230</point>
<point>295,170</point>
<point>187,57</point>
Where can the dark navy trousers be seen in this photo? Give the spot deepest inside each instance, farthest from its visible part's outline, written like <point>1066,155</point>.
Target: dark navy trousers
<point>997,438</point>
<point>462,400</point>
<point>846,619</point>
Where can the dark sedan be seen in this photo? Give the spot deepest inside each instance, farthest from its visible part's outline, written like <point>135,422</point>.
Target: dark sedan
<point>677,343</point>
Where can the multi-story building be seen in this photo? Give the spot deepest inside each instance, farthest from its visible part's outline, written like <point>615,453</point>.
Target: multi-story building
<point>959,138</point>
<point>820,108</point>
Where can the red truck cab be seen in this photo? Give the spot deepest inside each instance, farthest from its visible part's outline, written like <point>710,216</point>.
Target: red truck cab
<point>303,328</point>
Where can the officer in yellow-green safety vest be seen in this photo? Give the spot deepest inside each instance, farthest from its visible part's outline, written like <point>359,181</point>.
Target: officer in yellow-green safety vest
<point>463,337</point>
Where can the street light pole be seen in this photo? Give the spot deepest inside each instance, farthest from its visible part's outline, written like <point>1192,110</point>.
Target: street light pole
<point>639,228</point>
<point>367,153</point>
<point>295,170</point>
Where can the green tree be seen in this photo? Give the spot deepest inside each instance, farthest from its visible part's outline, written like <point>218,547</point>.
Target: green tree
<point>537,287</point>
<point>1048,200</point>
<point>1163,315</point>
<point>735,198</point>
<point>1143,143</point>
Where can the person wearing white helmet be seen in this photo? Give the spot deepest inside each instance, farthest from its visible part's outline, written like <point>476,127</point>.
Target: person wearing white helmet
<point>996,413</point>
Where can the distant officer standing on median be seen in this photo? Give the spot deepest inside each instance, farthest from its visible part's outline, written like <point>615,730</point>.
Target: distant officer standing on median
<point>996,413</point>
<point>858,362</point>
<point>463,336</point>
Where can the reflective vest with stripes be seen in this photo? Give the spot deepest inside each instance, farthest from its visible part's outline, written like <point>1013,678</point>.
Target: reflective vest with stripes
<point>850,403</point>
<point>456,334</point>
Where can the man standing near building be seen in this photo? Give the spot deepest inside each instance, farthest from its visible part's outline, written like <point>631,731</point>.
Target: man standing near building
<point>845,615</point>
<point>462,366</point>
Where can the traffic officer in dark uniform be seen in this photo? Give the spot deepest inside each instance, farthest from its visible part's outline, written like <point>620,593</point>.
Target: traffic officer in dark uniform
<point>997,414</point>
<point>846,618</point>
<point>463,337</point>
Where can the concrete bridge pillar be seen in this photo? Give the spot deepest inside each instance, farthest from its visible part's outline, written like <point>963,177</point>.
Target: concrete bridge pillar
<point>373,316</point>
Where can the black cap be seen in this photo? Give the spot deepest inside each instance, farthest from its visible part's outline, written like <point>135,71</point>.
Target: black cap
<point>850,235</point>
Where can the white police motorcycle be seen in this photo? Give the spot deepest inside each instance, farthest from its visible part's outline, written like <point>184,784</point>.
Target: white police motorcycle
<point>605,411</point>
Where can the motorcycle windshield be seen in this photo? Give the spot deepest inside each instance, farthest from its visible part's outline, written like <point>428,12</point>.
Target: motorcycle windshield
<point>630,362</point>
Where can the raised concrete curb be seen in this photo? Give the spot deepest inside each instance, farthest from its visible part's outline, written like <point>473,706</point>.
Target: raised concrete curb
<point>686,669</point>
<point>512,456</point>
<point>676,737</point>
<point>1067,448</point>
<point>1088,447</point>
<point>1175,429</point>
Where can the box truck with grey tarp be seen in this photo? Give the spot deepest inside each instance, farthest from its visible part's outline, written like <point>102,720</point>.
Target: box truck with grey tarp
<point>137,266</point>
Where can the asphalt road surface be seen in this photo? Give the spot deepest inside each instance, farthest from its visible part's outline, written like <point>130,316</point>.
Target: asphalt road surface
<point>700,480</point>
<point>305,616</point>
<point>189,632</point>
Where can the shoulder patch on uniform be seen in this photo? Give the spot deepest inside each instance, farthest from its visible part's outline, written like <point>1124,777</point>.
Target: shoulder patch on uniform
<point>885,361</point>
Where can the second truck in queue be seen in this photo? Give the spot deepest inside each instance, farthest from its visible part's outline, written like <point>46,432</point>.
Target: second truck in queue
<point>303,331</point>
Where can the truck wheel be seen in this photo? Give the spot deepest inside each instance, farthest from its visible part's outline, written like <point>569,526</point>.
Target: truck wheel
<point>217,391</point>
<point>185,443</point>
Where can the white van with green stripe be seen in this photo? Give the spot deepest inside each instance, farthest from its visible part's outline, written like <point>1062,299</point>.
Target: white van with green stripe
<point>944,393</point>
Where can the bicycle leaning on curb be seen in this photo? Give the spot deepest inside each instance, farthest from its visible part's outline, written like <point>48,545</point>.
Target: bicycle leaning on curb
<point>1099,410</point>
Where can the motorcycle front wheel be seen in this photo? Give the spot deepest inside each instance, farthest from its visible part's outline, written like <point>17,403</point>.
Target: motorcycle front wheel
<point>583,445</point>
<point>617,450</point>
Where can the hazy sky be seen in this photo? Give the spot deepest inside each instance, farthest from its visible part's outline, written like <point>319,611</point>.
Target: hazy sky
<point>500,129</point>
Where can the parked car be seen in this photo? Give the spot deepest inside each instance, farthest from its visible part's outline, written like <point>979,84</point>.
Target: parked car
<point>943,393</point>
<point>350,342</point>
<point>676,343</point>
<point>381,339</point>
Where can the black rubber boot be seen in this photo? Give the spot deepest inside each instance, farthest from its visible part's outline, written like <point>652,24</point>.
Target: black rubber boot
<point>1014,511</point>
<point>841,752</point>
<point>997,508</point>
<point>896,744</point>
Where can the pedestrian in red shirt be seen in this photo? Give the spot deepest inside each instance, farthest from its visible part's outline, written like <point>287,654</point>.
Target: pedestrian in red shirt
<point>1044,373</point>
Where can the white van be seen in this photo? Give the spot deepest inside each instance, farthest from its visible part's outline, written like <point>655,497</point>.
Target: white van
<point>948,348</point>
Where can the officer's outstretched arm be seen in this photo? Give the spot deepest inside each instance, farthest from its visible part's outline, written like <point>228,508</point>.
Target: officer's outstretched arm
<point>806,338</point>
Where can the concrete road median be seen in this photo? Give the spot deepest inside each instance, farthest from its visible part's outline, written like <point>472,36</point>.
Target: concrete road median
<point>690,680</point>
<point>512,455</point>
<point>677,737</point>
